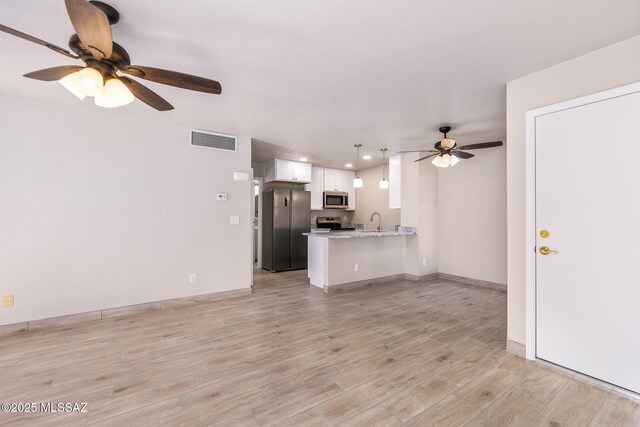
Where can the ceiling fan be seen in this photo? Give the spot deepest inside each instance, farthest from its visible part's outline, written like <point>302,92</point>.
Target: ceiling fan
<point>105,60</point>
<point>447,153</point>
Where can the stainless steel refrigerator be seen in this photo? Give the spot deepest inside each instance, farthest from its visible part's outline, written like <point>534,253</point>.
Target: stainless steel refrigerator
<point>286,214</point>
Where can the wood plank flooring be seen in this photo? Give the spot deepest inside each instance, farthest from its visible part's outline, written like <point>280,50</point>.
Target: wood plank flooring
<point>288,355</point>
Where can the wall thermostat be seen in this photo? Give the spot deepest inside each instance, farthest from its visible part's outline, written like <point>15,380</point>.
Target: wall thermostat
<point>221,196</point>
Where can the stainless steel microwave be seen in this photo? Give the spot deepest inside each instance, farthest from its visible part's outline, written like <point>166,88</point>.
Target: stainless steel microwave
<point>335,200</point>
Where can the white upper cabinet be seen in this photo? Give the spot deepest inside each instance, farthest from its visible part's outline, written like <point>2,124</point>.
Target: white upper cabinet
<point>330,183</point>
<point>344,180</point>
<point>338,180</point>
<point>316,188</point>
<point>345,183</point>
<point>341,180</point>
<point>287,171</point>
<point>301,172</point>
<point>318,180</point>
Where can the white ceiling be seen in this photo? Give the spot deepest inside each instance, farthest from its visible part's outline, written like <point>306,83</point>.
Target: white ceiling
<point>319,76</point>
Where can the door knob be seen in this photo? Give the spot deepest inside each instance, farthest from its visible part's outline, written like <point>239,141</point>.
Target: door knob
<point>544,250</point>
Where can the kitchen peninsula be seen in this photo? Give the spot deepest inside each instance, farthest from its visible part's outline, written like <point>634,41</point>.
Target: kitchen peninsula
<point>344,259</point>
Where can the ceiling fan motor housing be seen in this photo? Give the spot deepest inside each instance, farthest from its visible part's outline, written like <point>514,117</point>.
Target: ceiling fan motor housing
<point>112,14</point>
<point>119,57</point>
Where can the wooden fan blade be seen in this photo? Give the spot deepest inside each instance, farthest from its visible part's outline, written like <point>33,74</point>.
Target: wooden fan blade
<point>146,95</point>
<point>426,157</point>
<point>462,154</point>
<point>173,78</point>
<point>92,26</point>
<point>481,145</point>
<point>53,74</point>
<point>36,40</point>
<point>418,151</point>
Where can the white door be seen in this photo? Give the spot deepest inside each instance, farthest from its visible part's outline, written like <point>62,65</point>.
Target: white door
<point>588,199</point>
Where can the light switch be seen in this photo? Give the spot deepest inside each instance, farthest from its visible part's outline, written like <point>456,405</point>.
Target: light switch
<point>234,220</point>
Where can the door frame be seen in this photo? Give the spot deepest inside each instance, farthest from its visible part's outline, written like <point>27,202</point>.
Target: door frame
<point>530,199</point>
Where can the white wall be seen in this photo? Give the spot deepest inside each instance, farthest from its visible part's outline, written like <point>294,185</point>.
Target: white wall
<point>472,217</point>
<point>370,198</point>
<point>419,209</point>
<point>600,70</point>
<point>100,211</point>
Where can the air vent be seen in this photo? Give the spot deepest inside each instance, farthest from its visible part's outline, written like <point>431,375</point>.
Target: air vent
<point>217,141</point>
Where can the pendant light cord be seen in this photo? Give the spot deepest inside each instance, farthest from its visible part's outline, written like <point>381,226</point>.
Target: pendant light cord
<point>384,152</point>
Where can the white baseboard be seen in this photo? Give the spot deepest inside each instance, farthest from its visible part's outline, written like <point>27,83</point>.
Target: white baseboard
<point>516,348</point>
<point>475,282</point>
<point>424,278</point>
<point>115,313</point>
<point>344,287</point>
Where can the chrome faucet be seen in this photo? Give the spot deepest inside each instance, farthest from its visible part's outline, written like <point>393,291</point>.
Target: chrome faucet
<point>379,220</point>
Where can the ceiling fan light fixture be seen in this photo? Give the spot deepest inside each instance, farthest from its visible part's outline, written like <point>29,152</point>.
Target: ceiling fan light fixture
<point>89,81</point>
<point>114,94</point>
<point>118,92</point>
<point>68,82</point>
<point>103,100</point>
<point>445,160</point>
<point>448,143</point>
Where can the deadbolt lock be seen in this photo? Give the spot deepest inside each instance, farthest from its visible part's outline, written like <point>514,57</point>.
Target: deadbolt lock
<point>544,234</point>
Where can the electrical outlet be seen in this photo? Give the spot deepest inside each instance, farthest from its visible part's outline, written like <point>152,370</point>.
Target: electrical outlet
<point>424,262</point>
<point>356,267</point>
<point>192,278</point>
<point>7,300</point>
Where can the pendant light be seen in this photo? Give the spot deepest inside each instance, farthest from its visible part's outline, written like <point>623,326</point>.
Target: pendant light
<point>357,181</point>
<point>383,184</point>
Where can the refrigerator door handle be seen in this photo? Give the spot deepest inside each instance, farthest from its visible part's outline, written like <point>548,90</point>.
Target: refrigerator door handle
<point>285,202</point>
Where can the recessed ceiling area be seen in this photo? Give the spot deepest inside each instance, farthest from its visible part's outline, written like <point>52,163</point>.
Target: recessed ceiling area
<point>317,77</point>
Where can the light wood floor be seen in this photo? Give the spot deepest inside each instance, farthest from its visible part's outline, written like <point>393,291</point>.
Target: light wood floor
<point>421,354</point>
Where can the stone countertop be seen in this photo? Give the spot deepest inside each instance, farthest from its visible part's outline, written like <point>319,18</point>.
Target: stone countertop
<point>360,234</point>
